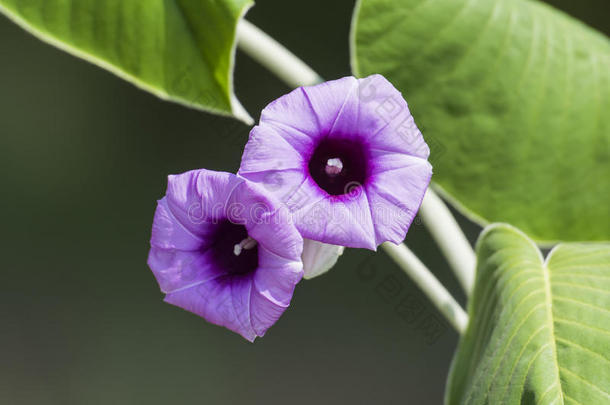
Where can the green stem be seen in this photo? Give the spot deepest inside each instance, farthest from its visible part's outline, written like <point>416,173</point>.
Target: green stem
<point>425,280</point>
<point>271,54</point>
<point>449,237</point>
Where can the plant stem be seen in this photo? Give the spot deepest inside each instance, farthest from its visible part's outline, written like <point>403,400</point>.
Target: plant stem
<point>271,54</point>
<point>429,284</point>
<point>435,214</point>
<point>449,236</point>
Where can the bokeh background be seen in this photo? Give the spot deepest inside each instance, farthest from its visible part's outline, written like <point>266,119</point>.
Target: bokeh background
<point>84,156</point>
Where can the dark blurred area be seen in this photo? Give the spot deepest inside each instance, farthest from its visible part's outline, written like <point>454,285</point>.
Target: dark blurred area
<point>85,157</point>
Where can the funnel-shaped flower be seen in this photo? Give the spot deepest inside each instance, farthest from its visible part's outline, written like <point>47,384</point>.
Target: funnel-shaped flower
<point>225,251</point>
<point>347,159</point>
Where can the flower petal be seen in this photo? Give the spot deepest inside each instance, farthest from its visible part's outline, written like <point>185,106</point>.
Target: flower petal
<point>267,150</point>
<point>266,219</point>
<point>277,276</point>
<point>395,197</point>
<point>274,284</point>
<point>265,312</point>
<point>306,112</point>
<point>275,232</point>
<point>378,113</point>
<point>176,269</point>
<point>339,220</point>
<point>169,233</point>
<point>328,99</point>
<point>224,301</point>
<point>292,113</point>
<point>198,197</point>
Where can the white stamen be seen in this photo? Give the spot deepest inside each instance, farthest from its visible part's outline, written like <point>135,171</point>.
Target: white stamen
<point>245,244</point>
<point>333,166</point>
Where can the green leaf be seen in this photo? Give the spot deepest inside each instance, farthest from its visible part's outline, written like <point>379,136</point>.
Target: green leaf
<point>513,98</point>
<point>539,330</point>
<point>179,50</point>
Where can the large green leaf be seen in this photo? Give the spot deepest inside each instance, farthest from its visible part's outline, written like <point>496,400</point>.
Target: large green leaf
<point>181,50</point>
<point>517,96</point>
<point>539,330</point>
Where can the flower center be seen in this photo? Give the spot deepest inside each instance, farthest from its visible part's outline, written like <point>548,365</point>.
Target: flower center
<point>338,165</point>
<point>333,167</point>
<point>233,252</point>
<point>245,244</point>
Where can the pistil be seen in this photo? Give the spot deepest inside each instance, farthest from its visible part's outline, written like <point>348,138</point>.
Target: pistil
<point>333,167</point>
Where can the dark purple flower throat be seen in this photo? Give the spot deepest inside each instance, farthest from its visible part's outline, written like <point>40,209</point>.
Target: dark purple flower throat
<point>233,252</point>
<point>338,165</point>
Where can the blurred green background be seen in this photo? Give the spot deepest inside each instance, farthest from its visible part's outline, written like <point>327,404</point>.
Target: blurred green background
<point>84,158</point>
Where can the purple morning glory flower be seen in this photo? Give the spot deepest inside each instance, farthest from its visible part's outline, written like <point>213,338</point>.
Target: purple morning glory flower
<point>347,159</point>
<point>224,250</point>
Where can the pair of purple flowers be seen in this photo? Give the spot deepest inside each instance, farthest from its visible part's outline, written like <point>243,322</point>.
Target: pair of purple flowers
<point>339,164</point>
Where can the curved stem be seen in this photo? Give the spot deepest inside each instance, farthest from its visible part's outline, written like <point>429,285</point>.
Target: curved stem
<point>449,236</point>
<point>429,284</point>
<point>271,54</point>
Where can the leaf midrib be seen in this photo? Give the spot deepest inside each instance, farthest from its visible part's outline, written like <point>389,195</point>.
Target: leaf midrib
<point>549,304</point>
